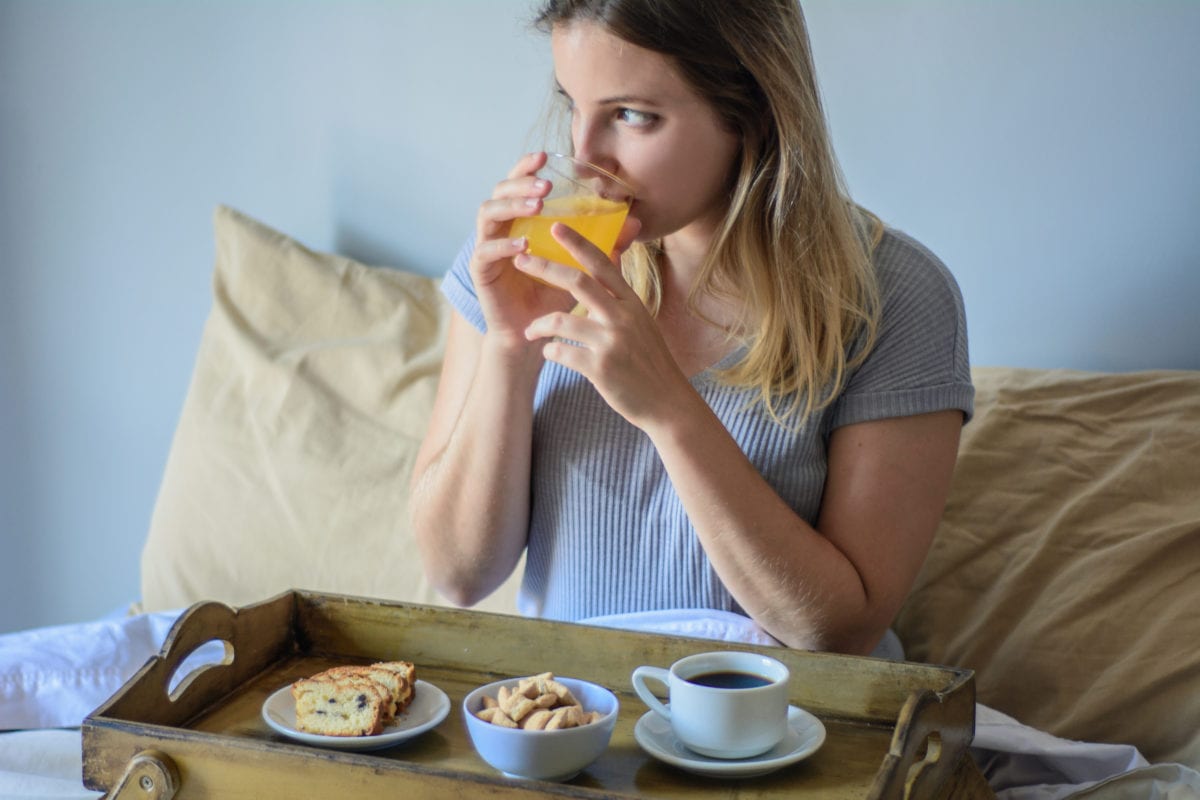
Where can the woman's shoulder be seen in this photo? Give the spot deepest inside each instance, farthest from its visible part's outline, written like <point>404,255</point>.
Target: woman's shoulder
<point>919,358</point>
<point>900,258</point>
<point>913,280</point>
<point>459,289</point>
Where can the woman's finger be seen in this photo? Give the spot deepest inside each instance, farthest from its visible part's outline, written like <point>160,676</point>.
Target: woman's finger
<point>625,239</point>
<point>553,274</point>
<point>522,186</point>
<point>518,195</point>
<point>599,264</point>
<point>583,331</point>
<point>497,214</point>
<point>491,254</point>
<point>583,287</point>
<point>528,164</point>
<point>572,356</point>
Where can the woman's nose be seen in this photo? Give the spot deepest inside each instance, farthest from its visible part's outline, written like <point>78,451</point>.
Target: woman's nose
<point>591,146</point>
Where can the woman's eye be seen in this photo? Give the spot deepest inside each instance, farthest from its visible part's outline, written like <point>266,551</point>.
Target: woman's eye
<point>636,119</point>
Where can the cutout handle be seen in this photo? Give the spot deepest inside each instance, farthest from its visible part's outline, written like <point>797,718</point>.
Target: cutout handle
<point>925,748</point>
<point>199,647</point>
<point>210,655</point>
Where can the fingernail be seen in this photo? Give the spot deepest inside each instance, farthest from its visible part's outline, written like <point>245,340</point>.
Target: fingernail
<point>521,243</point>
<point>532,202</point>
<point>540,184</point>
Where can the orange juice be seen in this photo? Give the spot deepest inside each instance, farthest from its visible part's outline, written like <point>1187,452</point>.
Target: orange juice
<point>596,219</point>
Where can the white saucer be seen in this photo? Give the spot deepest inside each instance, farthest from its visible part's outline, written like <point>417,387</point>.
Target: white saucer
<point>805,736</point>
<point>428,709</point>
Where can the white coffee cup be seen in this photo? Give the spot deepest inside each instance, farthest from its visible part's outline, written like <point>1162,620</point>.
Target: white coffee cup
<point>723,704</point>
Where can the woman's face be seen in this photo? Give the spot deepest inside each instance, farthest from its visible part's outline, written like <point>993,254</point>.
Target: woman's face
<point>632,114</point>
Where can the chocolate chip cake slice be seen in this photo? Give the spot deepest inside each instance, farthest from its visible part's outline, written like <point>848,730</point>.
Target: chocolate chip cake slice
<point>341,706</point>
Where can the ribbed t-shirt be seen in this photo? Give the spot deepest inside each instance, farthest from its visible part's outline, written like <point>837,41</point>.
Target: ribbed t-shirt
<point>607,531</point>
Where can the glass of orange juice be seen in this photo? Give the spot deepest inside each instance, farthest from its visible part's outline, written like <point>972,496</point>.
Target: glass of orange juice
<point>584,197</point>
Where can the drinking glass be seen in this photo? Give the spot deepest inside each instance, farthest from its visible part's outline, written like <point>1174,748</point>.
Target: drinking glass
<point>584,197</point>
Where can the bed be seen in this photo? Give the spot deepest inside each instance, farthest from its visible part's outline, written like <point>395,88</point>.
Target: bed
<point>1065,571</point>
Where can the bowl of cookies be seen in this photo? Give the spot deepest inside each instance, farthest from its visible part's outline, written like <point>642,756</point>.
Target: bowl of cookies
<point>540,727</point>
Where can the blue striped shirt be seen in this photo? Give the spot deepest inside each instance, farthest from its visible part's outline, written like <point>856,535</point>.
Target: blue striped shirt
<point>607,532</point>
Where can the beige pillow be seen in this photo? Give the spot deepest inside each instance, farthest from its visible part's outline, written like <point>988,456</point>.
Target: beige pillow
<point>289,469</point>
<point>1067,568</point>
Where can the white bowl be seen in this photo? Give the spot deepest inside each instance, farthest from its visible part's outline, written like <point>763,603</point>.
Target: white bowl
<point>543,755</point>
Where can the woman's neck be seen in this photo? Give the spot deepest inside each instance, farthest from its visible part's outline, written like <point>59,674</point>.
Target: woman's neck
<point>685,251</point>
<point>697,328</point>
<point>682,260</point>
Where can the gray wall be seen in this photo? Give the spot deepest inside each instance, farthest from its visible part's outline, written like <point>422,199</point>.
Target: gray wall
<point>1048,151</point>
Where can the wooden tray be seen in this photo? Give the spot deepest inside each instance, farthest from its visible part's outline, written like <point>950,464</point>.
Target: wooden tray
<point>893,730</point>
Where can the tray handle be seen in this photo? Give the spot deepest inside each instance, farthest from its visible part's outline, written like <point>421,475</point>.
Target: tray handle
<point>200,626</point>
<point>925,749</point>
<point>250,636</point>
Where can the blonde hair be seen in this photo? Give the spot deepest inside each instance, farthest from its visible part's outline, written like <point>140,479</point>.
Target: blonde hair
<point>793,251</point>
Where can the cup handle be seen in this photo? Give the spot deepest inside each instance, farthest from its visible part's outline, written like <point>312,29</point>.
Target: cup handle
<point>643,674</point>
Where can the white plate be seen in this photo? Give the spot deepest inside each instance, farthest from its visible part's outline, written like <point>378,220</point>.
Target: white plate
<point>805,736</point>
<point>428,709</point>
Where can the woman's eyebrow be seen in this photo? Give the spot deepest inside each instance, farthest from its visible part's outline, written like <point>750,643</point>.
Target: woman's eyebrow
<point>622,99</point>
<point>628,99</point>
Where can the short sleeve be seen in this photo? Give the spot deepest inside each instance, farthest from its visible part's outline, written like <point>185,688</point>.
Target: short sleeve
<point>920,361</point>
<point>459,289</point>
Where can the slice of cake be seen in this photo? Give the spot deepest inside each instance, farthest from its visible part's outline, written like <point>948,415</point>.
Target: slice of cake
<point>407,672</point>
<point>394,681</point>
<point>346,706</point>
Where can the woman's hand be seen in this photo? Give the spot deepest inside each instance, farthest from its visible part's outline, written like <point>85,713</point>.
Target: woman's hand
<point>470,486</point>
<point>617,346</point>
<point>509,299</point>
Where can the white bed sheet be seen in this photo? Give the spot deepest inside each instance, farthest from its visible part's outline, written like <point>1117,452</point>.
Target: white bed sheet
<point>51,678</point>
<point>42,765</point>
<point>55,676</point>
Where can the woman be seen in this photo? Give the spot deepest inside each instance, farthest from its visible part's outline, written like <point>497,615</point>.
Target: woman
<point>761,416</point>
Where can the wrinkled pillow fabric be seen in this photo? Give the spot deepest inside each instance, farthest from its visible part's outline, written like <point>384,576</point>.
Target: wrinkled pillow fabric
<point>289,468</point>
<point>1066,571</point>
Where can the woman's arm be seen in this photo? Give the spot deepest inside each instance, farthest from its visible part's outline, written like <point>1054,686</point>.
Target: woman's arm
<point>469,493</point>
<point>836,586</point>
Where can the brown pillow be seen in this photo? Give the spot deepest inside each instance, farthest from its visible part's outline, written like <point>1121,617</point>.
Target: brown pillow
<point>1066,571</point>
<point>289,468</point>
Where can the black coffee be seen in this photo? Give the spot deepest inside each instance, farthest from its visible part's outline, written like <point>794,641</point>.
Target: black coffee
<point>729,680</point>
